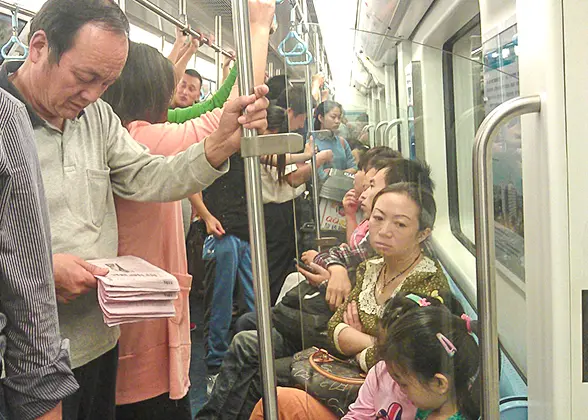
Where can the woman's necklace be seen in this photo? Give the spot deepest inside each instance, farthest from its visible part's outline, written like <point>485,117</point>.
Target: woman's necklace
<point>385,271</point>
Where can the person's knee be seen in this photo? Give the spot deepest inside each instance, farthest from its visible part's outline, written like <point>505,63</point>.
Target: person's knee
<point>245,346</point>
<point>246,322</point>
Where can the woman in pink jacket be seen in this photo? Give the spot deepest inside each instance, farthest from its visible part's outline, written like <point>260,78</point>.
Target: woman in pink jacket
<point>154,356</point>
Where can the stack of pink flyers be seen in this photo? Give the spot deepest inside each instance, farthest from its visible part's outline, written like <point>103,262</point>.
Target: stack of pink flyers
<point>135,290</point>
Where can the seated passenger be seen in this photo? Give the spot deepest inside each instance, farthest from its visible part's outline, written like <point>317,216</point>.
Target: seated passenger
<point>401,220</point>
<point>327,116</point>
<point>380,396</point>
<point>338,260</point>
<point>383,166</point>
<point>433,357</point>
<point>351,203</point>
<point>154,356</point>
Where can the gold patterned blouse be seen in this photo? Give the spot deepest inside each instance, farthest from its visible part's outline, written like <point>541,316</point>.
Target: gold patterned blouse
<point>423,279</point>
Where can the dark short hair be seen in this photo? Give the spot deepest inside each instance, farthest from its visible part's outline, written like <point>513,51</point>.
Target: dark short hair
<point>293,98</point>
<point>145,87</point>
<point>276,85</point>
<point>61,21</point>
<point>194,73</point>
<point>366,161</point>
<point>413,171</point>
<point>324,108</point>
<point>277,120</point>
<point>423,197</point>
<point>412,343</point>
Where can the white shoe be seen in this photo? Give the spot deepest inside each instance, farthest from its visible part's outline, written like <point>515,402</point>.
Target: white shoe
<point>210,380</point>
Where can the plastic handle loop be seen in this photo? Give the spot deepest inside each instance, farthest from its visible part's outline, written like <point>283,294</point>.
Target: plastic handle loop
<point>299,49</point>
<point>306,62</point>
<point>14,41</point>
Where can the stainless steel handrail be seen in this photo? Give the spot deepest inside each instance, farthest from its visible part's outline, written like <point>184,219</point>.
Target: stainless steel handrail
<point>310,138</point>
<point>369,129</point>
<point>218,34</point>
<point>378,140</point>
<point>12,8</point>
<point>388,130</point>
<point>174,21</point>
<point>242,32</point>
<point>485,257</point>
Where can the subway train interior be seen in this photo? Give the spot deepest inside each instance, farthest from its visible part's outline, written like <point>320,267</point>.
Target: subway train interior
<point>491,94</point>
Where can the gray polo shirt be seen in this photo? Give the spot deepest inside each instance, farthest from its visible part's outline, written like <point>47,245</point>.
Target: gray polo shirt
<point>82,166</point>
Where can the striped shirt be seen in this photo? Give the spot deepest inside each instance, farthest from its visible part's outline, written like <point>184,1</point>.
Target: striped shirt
<point>36,360</point>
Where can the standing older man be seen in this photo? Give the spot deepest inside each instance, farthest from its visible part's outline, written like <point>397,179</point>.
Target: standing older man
<point>76,50</point>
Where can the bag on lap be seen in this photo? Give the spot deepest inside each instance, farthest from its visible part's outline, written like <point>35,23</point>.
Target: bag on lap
<point>302,316</point>
<point>333,382</point>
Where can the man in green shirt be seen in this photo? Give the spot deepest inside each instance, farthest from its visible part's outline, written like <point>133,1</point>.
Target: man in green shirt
<point>186,105</point>
<point>180,115</point>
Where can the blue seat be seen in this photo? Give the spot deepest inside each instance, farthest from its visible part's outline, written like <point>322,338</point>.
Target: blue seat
<point>514,408</point>
<point>513,389</point>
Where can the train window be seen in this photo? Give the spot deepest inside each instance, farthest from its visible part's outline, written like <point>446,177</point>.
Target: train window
<point>6,27</point>
<point>478,78</point>
<point>205,67</point>
<point>32,5</point>
<point>167,48</point>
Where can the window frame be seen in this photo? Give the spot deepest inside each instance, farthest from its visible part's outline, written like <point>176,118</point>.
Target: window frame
<point>451,153</point>
<point>450,138</point>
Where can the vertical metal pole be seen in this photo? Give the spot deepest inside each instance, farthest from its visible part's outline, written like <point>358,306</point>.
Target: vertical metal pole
<point>485,253</point>
<point>317,52</point>
<point>259,267</point>
<point>309,123</point>
<point>123,5</point>
<point>375,108</point>
<point>382,103</point>
<point>270,69</point>
<point>183,8</point>
<point>218,57</point>
<point>390,87</point>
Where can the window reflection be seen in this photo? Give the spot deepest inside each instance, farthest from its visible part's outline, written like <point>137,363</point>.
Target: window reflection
<point>485,76</point>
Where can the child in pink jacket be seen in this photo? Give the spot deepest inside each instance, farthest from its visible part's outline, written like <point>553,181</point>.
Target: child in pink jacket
<point>379,397</point>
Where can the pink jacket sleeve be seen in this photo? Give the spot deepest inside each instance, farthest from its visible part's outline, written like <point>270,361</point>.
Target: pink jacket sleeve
<point>380,392</point>
<point>169,139</point>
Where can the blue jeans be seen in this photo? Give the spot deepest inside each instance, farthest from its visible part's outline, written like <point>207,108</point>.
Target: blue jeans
<point>233,263</point>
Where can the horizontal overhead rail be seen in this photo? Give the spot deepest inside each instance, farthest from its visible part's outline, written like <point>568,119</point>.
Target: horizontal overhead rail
<point>12,8</point>
<point>174,21</point>
<point>148,5</point>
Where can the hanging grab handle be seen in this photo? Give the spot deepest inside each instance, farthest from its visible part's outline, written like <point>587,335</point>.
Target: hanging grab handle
<point>308,60</point>
<point>14,41</point>
<point>299,49</point>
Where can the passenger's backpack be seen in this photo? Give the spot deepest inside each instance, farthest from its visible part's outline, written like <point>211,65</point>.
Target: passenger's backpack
<point>302,317</point>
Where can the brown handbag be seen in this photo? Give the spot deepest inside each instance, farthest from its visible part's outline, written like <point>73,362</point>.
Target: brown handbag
<point>332,381</point>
